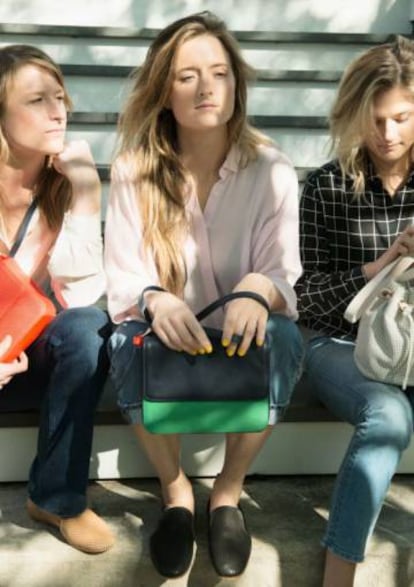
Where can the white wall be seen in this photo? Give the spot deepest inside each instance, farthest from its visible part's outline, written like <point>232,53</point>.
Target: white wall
<point>377,16</point>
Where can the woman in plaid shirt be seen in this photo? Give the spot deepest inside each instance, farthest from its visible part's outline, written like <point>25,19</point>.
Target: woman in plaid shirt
<point>356,217</point>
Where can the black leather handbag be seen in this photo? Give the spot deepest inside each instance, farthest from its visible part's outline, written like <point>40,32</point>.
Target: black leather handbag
<point>207,393</point>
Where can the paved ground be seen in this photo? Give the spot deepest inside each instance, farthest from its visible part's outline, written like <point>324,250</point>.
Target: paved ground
<point>286,516</point>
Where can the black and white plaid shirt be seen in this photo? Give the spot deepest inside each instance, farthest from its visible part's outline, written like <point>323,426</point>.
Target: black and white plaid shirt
<point>339,234</point>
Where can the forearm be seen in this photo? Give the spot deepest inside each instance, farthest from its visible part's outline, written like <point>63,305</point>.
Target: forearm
<point>262,285</point>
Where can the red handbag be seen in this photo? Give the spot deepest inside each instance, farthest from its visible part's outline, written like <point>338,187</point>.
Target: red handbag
<point>24,308</point>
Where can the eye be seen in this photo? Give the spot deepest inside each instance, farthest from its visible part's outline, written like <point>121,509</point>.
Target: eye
<point>186,78</point>
<point>36,100</point>
<point>221,74</point>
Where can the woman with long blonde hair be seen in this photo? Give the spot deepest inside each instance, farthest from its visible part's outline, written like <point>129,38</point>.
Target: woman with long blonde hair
<point>201,205</point>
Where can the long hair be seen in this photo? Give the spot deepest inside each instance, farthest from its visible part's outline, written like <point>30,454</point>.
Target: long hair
<point>375,71</point>
<point>148,139</point>
<point>53,190</point>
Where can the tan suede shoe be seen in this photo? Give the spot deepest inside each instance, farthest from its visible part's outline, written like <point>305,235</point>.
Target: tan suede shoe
<point>86,532</point>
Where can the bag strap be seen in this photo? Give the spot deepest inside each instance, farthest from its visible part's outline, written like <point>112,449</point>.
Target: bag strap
<point>358,304</point>
<point>208,309</point>
<point>228,298</point>
<point>23,227</point>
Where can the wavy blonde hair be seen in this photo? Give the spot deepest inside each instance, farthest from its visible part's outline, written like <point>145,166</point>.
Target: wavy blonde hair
<point>148,139</point>
<point>375,71</point>
<point>53,191</point>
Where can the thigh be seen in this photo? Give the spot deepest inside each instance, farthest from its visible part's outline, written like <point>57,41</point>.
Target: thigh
<point>125,362</point>
<point>333,376</point>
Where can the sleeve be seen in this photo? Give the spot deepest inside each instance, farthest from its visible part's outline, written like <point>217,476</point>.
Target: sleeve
<point>75,264</point>
<point>321,291</point>
<point>275,251</point>
<point>128,269</point>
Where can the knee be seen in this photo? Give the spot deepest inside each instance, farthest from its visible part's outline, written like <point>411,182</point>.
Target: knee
<point>390,422</point>
<point>81,332</point>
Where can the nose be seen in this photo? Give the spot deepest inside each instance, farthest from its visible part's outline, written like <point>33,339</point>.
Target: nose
<point>205,86</point>
<point>390,130</point>
<point>57,110</point>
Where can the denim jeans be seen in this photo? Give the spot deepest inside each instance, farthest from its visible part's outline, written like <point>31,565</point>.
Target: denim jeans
<point>382,417</point>
<point>286,364</point>
<point>67,368</point>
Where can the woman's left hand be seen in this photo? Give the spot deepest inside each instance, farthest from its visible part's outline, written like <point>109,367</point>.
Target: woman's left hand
<point>245,320</point>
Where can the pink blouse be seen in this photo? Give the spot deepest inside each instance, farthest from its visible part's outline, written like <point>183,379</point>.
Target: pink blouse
<point>68,262</point>
<point>249,224</point>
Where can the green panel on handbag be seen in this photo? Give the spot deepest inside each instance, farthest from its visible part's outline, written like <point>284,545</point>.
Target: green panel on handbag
<point>207,393</point>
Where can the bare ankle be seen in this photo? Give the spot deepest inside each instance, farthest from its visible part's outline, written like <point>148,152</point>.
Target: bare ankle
<point>178,493</point>
<point>339,572</point>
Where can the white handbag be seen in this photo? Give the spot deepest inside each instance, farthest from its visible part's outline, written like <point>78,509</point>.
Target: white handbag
<point>384,349</point>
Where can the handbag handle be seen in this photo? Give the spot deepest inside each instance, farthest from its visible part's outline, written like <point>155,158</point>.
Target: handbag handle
<point>228,298</point>
<point>358,304</point>
<point>211,307</point>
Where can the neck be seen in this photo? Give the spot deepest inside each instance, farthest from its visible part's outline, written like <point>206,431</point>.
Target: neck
<point>18,183</point>
<point>203,153</point>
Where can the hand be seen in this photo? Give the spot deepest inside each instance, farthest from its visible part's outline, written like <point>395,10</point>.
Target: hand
<point>405,242</point>
<point>175,324</point>
<point>244,320</point>
<point>75,162</point>
<point>402,245</point>
<point>7,370</point>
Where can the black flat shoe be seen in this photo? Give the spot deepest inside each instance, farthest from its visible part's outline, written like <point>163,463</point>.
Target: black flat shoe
<point>229,542</point>
<point>171,545</point>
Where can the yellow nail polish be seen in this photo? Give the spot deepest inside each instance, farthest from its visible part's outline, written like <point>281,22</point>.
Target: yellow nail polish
<point>260,342</point>
<point>225,342</point>
<point>201,352</point>
<point>209,349</point>
<point>230,352</point>
<point>241,353</point>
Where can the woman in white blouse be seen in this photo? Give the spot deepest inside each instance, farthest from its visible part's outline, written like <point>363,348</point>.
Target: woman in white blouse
<point>64,369</point>
<point>201,205</point>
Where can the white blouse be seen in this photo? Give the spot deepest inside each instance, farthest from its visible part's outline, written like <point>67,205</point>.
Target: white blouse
<point>67,261</point>
<point>249,224</point>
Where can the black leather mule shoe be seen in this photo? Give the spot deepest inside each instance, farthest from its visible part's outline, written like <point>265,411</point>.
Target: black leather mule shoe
<point>229,542</point>
<point>171,545</point>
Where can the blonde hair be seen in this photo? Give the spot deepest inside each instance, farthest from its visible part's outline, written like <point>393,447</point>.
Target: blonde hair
<point>148,139</point>
<point>375,71</point>
<point>53,190</point>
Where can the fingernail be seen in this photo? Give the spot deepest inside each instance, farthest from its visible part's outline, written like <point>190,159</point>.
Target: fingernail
<point>241,353</point>
<point>260,342</point>
<point>225,342</point>
<point>201,352</point>
<point>230,352</point>
<point>209,349</point>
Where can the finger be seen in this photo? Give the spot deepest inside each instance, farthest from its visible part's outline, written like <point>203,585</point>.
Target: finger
<point>5,344</point>
<point>23,362</point>
<point>261,330</point>
<point>249,333</point>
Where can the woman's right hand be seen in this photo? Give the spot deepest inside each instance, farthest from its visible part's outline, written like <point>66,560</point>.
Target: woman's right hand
<point>7,370</point>
<point>403,245</point>
<point>175,324</point>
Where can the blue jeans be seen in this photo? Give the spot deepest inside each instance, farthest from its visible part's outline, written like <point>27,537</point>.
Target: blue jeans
<point>67,368</point>
<point>382,417</point>
<point>286,363</point>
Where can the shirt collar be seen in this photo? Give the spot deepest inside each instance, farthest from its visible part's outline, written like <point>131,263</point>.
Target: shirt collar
<point>231,163</point>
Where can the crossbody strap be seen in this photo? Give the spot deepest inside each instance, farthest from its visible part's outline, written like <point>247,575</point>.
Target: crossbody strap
<point>23,227</point>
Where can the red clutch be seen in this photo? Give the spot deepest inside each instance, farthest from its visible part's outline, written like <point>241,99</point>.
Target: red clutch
<point>24,308</point>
